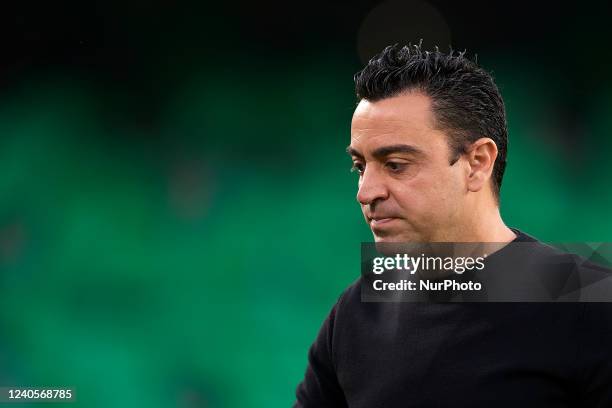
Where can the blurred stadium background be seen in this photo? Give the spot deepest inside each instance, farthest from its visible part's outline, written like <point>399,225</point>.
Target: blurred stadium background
<point>177,214</point>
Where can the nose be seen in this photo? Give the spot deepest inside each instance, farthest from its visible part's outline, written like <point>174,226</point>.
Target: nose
<point>371,187</point>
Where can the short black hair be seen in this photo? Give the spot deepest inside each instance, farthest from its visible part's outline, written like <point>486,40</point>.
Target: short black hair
<point>466,103</point>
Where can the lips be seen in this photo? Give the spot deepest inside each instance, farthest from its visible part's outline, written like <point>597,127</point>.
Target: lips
<point>379,221</point>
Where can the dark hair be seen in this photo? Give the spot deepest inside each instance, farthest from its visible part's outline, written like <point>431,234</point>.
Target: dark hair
<point>465,101</point>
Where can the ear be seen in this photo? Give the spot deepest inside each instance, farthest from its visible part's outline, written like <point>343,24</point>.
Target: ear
<point>481,157</point>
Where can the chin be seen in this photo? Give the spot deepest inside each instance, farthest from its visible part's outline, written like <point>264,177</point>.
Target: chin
<point>396,238</point>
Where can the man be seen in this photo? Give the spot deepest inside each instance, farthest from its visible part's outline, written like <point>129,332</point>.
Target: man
<point>429,142</point>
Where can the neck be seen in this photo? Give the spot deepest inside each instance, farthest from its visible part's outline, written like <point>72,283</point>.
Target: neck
<point>491,228</point>
<point>484,223</point>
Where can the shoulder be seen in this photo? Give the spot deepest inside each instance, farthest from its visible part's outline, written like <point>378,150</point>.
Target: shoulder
<point>581,278</point>
<point>350,295</point>
<point>567,275</point>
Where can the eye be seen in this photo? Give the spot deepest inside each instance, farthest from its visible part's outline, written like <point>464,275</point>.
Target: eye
<point>396,167</point>
<point>357,167</point>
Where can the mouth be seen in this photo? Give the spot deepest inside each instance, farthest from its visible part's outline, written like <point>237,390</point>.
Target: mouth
<point>380,221</point>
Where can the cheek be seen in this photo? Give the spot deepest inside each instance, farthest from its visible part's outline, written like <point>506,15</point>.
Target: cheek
<point>448,194</point>
<point>429,193</point>
<point>413,196</point>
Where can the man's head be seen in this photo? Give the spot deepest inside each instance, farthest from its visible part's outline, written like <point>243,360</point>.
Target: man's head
<point>429,141</point>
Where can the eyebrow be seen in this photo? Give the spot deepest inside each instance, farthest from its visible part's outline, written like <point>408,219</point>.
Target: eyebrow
<point>387,150</point>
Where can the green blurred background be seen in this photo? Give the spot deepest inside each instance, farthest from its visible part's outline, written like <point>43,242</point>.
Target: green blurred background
<point>177,214</point>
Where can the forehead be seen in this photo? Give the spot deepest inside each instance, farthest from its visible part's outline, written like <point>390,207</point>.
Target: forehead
<point>405,119</point>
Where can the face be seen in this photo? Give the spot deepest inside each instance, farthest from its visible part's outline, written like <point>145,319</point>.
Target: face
<point>408,191</point>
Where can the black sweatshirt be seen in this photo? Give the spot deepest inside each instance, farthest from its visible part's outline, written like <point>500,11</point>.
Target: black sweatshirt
<point>542,355</point>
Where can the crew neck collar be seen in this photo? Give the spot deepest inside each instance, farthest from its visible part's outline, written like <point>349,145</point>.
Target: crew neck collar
<point>521,236</point>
